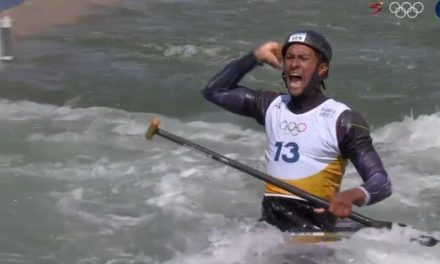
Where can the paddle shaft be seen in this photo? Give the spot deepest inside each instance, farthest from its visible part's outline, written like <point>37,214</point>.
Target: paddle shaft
<point>264,177</point>
<point>153,129</point>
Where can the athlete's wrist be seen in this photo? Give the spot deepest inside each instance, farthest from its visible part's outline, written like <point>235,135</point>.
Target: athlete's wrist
<point>248,61</point>
<point>367,196</point>
<point>354,196</point>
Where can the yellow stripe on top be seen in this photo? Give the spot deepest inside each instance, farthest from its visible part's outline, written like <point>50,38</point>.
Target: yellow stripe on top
<point>324,184</point>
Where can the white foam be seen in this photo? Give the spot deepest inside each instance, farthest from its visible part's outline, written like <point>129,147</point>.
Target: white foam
<point>236,245</point>
<point>109,181</point>
<point>386,246</point>
<point>189,51</point>
<point>412,134</point>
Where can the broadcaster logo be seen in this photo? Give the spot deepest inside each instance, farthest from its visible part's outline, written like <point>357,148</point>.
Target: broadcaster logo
<point>406,9</point>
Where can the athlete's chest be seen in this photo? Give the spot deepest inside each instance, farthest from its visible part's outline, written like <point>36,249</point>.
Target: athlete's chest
<point>295,137</point>
<point>306,129</point>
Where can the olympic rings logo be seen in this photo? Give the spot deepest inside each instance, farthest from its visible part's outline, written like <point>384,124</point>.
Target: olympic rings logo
<point>406,9</point>
<point>292,127</point>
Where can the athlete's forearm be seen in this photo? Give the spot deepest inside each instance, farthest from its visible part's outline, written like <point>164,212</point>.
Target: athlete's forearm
<point>376,184</point>
<point>223,89</point>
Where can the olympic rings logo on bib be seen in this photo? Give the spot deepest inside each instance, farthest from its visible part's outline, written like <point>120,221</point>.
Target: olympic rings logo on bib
<point>292,127</point>
<point>406,9</point>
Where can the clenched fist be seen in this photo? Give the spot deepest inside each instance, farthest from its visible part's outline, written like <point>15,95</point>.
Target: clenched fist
<point>270,53</point>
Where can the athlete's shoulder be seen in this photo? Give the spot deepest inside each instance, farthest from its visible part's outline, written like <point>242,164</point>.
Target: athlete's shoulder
<point>336,104</point>
<point>352,119</point>
<point>283,98</point>
<point>332,109</point>
<point>258,104</point>
<point>279,100</point>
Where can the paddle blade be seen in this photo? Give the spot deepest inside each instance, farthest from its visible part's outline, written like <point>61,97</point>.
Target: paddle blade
<point>425,240</point>
<point>152,129</point>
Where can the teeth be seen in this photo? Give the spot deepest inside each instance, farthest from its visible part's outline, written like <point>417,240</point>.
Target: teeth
<point>293,77</point>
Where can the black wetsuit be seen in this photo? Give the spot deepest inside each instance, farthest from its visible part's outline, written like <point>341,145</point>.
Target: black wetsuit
<point>353,138</point>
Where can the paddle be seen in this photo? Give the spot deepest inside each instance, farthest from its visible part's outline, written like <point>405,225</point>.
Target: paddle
<point>154,129</point>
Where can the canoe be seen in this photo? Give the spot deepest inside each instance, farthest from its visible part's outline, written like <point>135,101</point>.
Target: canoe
<point>318,237</point>
<point>344,229</point>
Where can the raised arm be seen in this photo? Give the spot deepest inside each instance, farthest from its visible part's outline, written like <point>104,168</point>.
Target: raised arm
<point>224,89</point>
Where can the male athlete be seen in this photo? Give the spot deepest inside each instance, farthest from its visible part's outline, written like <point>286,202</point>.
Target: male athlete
<point>309,136</point>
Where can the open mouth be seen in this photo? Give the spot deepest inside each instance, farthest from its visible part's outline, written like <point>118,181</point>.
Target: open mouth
<point>295,79</point>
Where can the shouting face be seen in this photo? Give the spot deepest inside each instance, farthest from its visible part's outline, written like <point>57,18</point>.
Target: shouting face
<point>301,64</point>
